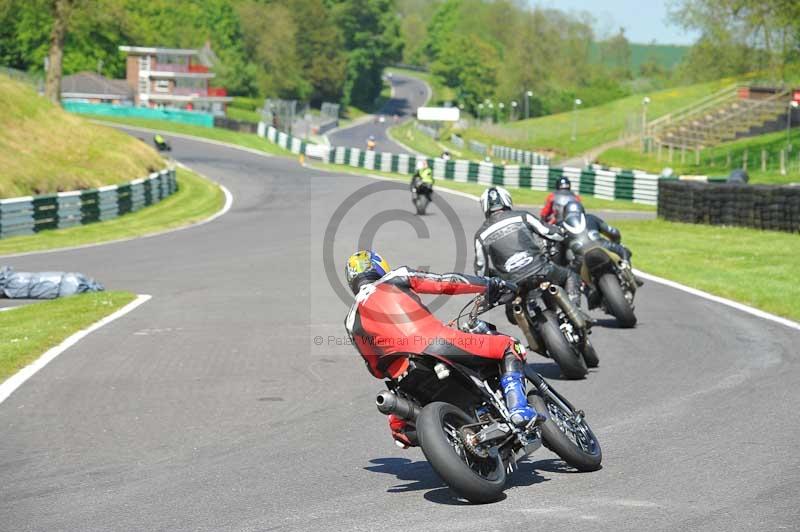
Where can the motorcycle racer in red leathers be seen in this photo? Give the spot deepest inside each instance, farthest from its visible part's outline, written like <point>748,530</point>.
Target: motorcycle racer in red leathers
<point>388,322</point>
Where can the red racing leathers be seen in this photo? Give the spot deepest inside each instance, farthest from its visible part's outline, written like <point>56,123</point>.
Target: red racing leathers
<point>555,202</point>
<point>388,321</point>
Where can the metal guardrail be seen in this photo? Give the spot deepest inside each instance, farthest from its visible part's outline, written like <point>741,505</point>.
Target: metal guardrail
<point>520,156</point>
<point>32,214</point>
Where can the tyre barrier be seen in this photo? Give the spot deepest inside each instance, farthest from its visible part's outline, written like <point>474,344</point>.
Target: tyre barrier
<point>629,185</point>
<point>31,214</point>
<point>775,208</point>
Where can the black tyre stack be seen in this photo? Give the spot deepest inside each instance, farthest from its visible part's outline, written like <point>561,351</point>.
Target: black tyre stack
<point>774,208</point>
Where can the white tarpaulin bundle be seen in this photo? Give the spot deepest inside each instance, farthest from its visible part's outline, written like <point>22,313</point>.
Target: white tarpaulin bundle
<point>44,285</point>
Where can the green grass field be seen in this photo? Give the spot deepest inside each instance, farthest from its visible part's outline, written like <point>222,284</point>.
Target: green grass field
<point>44,149</point>
<point>714,161</point>
<point>29,331</point>
<point>409,135</point>
<point>196,199</point>
<point>595,125</point>
<point>758,268</point>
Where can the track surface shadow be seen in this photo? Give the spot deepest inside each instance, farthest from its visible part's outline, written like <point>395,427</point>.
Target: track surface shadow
<point>420,476</point>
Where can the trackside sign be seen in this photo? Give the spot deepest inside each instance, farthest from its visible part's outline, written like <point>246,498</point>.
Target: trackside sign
<point>439,114</point>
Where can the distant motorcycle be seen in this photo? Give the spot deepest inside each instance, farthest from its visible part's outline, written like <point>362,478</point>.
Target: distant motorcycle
<point>161,143</point>
<point>421,193</point>
<point>610,281</point>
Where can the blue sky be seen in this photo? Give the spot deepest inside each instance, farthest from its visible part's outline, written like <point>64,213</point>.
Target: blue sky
<point>643,20</point>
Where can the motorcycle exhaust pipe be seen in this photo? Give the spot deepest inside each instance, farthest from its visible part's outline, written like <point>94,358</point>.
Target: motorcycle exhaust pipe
<point>522,323</point>
<point>563,302</point>
<point>389,403</point>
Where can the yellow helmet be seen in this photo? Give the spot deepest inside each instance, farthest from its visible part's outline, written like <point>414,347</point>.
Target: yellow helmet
<point>364,264</point>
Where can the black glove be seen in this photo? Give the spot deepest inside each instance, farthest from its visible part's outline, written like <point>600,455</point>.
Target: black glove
<point>499,291</point>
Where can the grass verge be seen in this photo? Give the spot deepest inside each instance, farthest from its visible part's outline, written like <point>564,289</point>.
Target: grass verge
<point>29,331</point>
<point>757,268</point>
<point>246,140</point>
<point>521,196</point>
<point>197,198</point>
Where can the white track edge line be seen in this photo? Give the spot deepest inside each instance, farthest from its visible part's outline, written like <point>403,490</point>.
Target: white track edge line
<point>721,300</point>
<point>225,208</point>
<point>18,379</point>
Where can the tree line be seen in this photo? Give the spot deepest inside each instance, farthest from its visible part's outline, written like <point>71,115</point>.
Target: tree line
<point>317,50</point>
<point>534,60</point>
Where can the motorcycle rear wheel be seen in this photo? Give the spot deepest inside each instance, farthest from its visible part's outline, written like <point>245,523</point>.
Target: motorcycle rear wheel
<point>615,300</point>
<point>477,480</point>
<point>590,355</point>
<point>567,357</point>
<point>575,443</point>
<point>421,203</point>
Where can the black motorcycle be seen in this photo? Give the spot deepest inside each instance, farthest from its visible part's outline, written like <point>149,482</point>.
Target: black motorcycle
<point>161,144</point>
<point>610,282</point>
<point>421,193</point>
<point>462,424</point>
<point>555,328</point>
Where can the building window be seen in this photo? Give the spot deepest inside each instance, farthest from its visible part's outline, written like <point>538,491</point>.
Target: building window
<point>162,85</point>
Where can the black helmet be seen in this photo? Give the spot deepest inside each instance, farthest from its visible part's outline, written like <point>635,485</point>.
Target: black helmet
<point>563,183</point>
<point>495,199</point>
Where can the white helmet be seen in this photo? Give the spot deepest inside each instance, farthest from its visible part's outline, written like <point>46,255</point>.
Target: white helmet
<point>494,199</point>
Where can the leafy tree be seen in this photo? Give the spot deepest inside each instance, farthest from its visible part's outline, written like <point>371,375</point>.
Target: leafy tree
<point>470,65</point>
<point>319,49</point>
<point>371,32</point>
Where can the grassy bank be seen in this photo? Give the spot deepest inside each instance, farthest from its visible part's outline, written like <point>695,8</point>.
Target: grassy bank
<point>44,149</point>
<point>29,331</point>
<point>719,160</point>
<point>595,125</point>
<point>521,196</point>
<point>418,141</point>
<point>247,140</point>
<point>196,199</point>
<point>758,268</point>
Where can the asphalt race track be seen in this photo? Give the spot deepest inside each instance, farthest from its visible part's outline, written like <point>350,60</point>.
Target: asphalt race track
<point>212,407</point>
<point>409,93</point>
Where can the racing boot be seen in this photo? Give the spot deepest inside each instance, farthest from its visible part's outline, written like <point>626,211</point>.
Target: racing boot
<point>513,383</point>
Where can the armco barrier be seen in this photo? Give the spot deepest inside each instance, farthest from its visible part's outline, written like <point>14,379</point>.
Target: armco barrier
<point>775,208</point>
<point>635,186</point>
<point>31,214</point>
<point>519,156</point>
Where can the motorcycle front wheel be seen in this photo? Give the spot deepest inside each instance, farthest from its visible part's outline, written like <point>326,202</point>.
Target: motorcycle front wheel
<point>568,435</point>
<point>477,479</point>
<point>568,359</point>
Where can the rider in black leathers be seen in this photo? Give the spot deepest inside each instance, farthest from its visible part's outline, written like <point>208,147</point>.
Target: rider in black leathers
<point>597,229</point>
<point>513,245</point>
